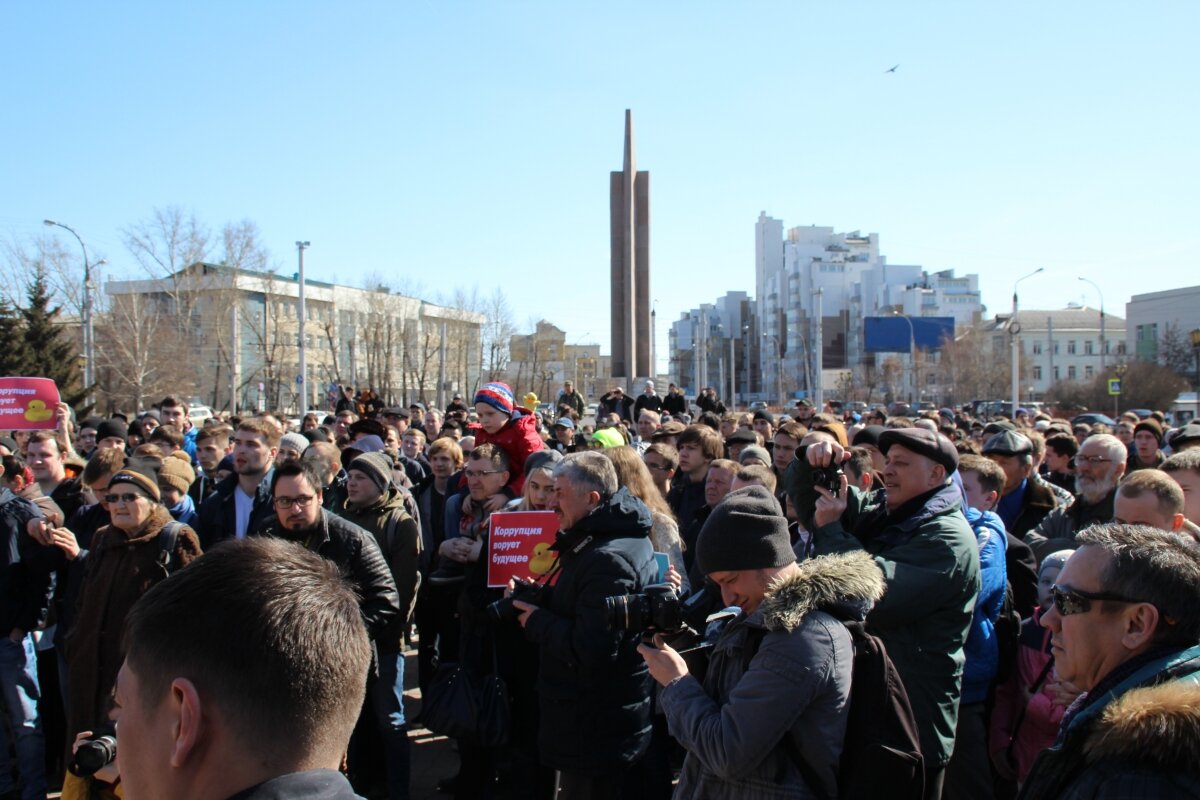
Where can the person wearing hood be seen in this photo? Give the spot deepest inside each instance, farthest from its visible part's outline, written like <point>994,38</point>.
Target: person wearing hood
<point>594,688</point>
<point>778,681</point>
<point>915,530</point>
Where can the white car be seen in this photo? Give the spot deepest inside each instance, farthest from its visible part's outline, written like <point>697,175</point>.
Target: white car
<point>197,414</point>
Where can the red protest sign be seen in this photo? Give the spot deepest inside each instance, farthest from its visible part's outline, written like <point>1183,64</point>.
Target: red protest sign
<point>519,545</point>
<point>27,404</point>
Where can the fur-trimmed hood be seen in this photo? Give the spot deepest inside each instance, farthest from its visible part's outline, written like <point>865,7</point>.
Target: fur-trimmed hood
<point>844,585</point>
<point>1156,726</point>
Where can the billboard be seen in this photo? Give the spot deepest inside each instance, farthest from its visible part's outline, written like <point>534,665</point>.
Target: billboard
<point>891,334</point>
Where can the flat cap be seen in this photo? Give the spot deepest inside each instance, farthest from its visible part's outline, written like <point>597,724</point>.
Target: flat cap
<point>397,411</point>
<point>1188,433</point>
<point>672,428</point>
<point>924,442</point>
<point>742,436</point>
<point>762,413</point>
<point>1008,443</point>
<point>998,426</point>
<point>868,435</point>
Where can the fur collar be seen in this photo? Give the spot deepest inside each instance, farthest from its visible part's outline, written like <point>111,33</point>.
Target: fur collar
<point>1158,726</point>
<point>833,583</point>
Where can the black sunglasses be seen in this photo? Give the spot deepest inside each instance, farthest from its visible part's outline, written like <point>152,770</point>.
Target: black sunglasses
<point>1075,601</point>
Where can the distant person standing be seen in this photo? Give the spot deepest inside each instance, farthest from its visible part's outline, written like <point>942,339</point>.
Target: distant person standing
<point>571,398</point>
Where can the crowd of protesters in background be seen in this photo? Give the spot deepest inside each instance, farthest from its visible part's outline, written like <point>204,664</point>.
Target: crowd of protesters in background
<point>1034,583</point>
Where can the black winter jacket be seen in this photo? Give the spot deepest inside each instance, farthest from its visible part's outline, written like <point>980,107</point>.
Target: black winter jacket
<point>360,559</point>
<point>594,688</point>
<point>24,588</point>
<point>218,514</point>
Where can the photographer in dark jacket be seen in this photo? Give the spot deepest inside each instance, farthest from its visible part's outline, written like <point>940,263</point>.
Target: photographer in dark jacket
<point>594,687</point>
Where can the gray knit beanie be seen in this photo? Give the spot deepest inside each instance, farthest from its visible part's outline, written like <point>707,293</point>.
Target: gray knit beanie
<point>377,467</point>
<point>296,441</point>
<point>745,531</point>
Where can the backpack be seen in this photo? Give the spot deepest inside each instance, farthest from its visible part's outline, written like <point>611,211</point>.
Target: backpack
<point>881,754</point>
<point>167,537</point>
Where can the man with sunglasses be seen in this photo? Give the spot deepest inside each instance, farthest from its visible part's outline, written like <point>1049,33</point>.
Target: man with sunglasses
<point>1125,627</point>
<point>1099,466</point>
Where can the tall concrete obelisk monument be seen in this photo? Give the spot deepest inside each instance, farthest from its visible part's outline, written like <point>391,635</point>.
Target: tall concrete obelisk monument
<point>629,208</point>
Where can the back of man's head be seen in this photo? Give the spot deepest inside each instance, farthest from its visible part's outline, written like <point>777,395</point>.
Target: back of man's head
<point>272,638</point>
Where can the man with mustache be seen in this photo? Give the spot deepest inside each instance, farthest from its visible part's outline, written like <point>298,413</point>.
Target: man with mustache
<point>1099,465</point>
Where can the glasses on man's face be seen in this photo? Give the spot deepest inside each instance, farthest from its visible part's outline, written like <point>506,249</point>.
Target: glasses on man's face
<point>113,499</point>
<point>300,502</point>
<point>656,467</point>
<point>1092,460</point>
<point>1075,601</point>
<point>479,473</point>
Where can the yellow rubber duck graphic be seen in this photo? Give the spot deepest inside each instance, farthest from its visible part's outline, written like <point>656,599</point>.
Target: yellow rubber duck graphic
<point>542,560</point>
<point>37,411</point>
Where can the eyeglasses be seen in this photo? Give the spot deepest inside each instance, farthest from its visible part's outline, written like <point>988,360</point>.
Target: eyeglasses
<point>474,473</point>
<point>657,467</point>
<point>113,499</point>
<point>300,502</point>
<point>1076,601</point>
<point>1092,459</point>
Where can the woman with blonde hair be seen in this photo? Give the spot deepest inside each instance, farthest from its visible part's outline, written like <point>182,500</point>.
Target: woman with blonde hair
<point>633,474</point>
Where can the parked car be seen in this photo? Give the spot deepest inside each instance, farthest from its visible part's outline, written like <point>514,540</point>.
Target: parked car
<point>197,414</point>
<point>1092,418</point>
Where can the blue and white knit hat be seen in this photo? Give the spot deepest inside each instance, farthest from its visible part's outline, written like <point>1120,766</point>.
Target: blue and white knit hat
<point>497,395</point>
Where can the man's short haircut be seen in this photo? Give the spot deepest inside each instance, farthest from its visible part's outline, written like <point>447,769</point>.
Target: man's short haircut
<point>990,474</point>
<point>590,470</point>
<point>218,433</point>
<point>705,437</point>
<point>169,434</point>
<point>709,420</point>
<point>298,625</point>
<point>445,444</point>
<point>835,429</point>
<point>296,469</point>
<point>494,454</point>
<point>263,428</point>
<point>732,467</point>
<point>1156,567</point>
<point>1038,441</point>
<point>792,429</point>
<point>324,456</point>
<point>1187,461</point>
<point>103,462</point>
<point>860,462</point>
<point>171,402</point>
<point>415,433</point>
<point>670,455</point>
<point>37,437</point>
<point>757,473</point>
<point>1114,448</point>
<point>652,415</point>
<point>1063,444</point>
<point>1161,485</point>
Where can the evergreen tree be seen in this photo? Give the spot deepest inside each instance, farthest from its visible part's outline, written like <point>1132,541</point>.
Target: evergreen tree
<point>14,358</point>
<point>51,350</point>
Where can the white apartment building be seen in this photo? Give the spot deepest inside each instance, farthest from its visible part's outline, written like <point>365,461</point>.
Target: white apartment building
<point>1063,344</point>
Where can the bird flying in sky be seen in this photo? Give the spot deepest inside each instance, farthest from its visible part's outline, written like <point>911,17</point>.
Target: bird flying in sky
<point>893,69</point>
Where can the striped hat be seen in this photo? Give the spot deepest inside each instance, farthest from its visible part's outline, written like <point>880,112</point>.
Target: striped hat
<point>497,395</point>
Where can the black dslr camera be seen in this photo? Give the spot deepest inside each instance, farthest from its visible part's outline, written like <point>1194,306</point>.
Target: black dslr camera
<point>828,478</point>
<point>95,753</point>
<point>656,610</point>
<point>525,591</point>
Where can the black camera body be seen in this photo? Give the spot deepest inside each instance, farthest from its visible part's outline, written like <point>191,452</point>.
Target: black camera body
<point>525,591</point>
<point>829,478</point>
<point>95,752</point>
<point>658,609</point>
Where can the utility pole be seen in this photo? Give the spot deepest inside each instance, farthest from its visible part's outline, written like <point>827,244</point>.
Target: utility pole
<point>302,378</point>
<point>818,354</point>
<point>235,346</point>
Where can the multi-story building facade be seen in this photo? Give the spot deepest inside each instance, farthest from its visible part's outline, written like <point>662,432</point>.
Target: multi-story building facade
<point>717,345</point>
<point>1061,345</point>
<point>231,338</point>
<point>1151,315</point>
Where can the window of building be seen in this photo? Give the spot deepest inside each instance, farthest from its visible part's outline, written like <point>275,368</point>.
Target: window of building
<point>1089,372</point>
<point>1071,373</point>
<point>1087,347</point>
<point>1056,348</point>
<point>1056,373</point>
<point>1071,347</point>
<point>1037,348</point>
<point>1037,373</point>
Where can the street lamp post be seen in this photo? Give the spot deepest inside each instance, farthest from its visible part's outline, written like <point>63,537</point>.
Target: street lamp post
<point>1014,331</point>
<point>912,354</point>
<point>89,360</point>
<point>818,339</point>
<point>1103,345</point>
<point>1196,350</point>
<point>302,378</point>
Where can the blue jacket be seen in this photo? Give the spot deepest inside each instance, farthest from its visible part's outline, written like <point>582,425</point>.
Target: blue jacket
<point>982,650</point>
<point>185,511</point>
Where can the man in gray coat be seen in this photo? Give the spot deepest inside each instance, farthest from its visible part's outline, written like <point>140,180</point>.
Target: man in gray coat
<point>778,683</point>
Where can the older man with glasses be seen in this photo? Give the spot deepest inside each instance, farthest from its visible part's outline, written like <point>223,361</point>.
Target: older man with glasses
<point>1099,465</point>
<point>1124,627</point>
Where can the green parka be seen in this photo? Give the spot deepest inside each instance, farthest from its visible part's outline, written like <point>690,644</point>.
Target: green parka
<point>401,543</point>
<point>930,562</point>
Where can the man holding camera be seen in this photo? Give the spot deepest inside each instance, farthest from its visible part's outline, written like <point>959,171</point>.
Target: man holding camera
<point>915,530</point>
<point>594,689</point>
<point>773,707</point>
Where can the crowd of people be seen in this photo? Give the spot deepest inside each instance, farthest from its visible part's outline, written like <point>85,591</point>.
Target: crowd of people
<point>1033,586</point>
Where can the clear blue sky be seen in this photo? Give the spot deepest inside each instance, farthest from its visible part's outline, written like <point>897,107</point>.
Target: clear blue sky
<point>471,142</point>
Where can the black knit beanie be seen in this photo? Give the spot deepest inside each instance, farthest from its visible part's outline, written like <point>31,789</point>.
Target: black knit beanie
<point>747,530</point>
